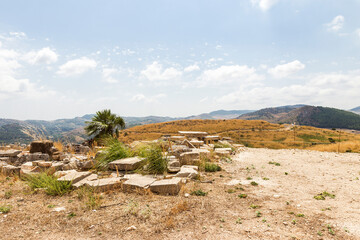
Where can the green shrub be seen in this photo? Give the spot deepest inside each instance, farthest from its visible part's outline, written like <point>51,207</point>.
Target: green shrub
<point>242,195</point>
<point>212,167</point>
<point>224,145</point>
<point>49,183</point>
<point>115,150</point>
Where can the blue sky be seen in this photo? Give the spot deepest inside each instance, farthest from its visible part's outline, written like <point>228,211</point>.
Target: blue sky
<point>61,59</point>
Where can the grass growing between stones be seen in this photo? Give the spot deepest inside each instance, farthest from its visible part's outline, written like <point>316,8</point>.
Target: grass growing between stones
<point>323,195</point>
<point>115,150</point>
<point>212,167</point>
<point>155,162</point>
<point>49,183</point>
<point>91,199</point>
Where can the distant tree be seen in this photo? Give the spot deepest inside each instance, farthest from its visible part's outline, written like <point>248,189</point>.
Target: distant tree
<point>104,123</point>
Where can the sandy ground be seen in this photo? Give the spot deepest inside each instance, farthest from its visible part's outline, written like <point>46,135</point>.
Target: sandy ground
<point>284,201</point>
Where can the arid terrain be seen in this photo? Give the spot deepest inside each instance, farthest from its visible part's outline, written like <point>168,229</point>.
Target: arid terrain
<point>281,206</point>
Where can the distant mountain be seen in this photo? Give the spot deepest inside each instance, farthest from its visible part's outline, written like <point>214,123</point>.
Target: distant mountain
<point>322,117</point>
<point>72,130</point>
<point>356,110</point>
<point>220,114</point>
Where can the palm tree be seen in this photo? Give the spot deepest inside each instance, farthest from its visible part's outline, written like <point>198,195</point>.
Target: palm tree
<point>104,123</point>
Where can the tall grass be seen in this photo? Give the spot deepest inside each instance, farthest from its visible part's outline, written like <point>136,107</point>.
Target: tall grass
<point>155,162</point>
<point>49,183</point>
<point>114,150</point>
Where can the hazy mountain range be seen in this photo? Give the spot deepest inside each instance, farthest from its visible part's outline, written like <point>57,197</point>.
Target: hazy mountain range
<point>12,130</point>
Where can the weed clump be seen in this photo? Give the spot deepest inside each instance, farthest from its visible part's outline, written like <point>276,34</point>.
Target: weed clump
<point>199,193</point>
<point>212,167</point>
<point>155,161</point>
<point>242,195</point>
<point>115,150</point>
<point>323,195</point>
<point>91,199</point>
<point>49,183</point>
<point>5,209</point>
<point>254,183</point>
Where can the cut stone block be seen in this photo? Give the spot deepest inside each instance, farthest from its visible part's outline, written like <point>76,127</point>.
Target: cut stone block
<point>27,166</point>
<point>105,184</point>
<point>126,164</point>
<point>41,146</point>
<point>173,166</point>
<point>137,183</point>
<point>166,186</point>
<point>72,175</point>
<point>189,158</point>
<point>91,177</point>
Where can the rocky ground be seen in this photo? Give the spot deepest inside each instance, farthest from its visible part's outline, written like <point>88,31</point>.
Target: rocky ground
<point>280,206</point>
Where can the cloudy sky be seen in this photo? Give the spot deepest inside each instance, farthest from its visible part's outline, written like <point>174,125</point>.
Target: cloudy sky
<point>61,59</point>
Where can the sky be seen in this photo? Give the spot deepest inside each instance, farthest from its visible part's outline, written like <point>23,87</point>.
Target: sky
<point>62,59</point>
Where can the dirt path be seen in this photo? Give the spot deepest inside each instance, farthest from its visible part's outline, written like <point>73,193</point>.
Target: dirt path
<point>281,206</point>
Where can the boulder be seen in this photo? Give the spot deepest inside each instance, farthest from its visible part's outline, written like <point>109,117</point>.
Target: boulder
<point>41,146</point>
<point>85,165</point>
<point>126,164</point>
<point>166,186</point>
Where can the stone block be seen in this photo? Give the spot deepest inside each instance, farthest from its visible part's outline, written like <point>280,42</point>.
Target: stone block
<point>41,146</point>
<point>139,183</point>
<point>71,175</point>
<point>105,184</point>
<point>9,153</point>
<point>190,158</point>
<point>188,172</point>
<point>126,164</point>
<point>9,170</point>
<point>166,186</point>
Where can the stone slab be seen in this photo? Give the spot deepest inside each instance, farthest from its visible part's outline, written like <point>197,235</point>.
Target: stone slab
<point>71,175</point>
<point>9,153</point>
<point>126,164</point>
<point>166,186</point>
<point>104,184</point>
<point>137,183</point>
<point>9,170</point>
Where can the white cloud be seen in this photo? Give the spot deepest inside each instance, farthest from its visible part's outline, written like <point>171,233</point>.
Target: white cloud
<point>336,24</point>
<point>284,70</point>
<point>10,82</point>
<point>156,72</point>
<point>43,56</point>
<point>18,34</point>
<point>331,89</point>
<point>228,74</point>
<point>191,68</point>
<point>108,73</point>
<point>77,66</point>
<point>264,5</point>
<point>127,52</point>
<point>141,97</point>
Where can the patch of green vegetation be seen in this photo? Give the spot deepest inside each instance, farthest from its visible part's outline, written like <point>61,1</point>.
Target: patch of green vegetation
<point>239,221</point>
<point>265,178</point>
<point>71,215</point>
<point>253,183</point>
<point>198,193</point>
<point>300,215</point>
<point>323,195</point>
<point>312,137</point>
<point>8,194</point>
<point>155,161</point>
<point>5,209</point>
<point>51,206</point>
<point>258,214</point>
<point>230,190</point>
<point>253,206</point>
<point>249,178</point>
<point>212,167</point>
<point>224,145</point>
<point>242,195</point>
<point>286,173</point>
<point>91,199</point>
<point>49,183</point>
<point>331,231</point>
<point>274,163</point>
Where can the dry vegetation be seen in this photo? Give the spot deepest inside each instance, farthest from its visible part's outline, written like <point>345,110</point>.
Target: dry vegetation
<point>253,133</point>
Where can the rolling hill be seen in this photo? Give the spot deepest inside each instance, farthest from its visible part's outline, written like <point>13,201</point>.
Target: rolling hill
<point>356,110</point>
<point>321,117</point>
<point>72,130</point>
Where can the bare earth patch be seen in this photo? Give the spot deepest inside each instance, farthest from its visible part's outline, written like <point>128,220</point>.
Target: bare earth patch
<point>280,206</point>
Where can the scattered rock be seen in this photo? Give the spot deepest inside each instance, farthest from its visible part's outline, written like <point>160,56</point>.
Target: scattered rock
<point>188,172</point>
<point>41,146</point>
<point>189,158</point>
<point>71,175</point>
<point>131,228</point>
<point>137,183</point>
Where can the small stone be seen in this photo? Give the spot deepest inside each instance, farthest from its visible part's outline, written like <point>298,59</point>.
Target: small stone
<point>187,195</point>
<point>131,228</point>
<point>58,209</point>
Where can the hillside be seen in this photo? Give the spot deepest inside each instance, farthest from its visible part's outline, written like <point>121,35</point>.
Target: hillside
<point>252,133</point>
<point>322,117</point>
